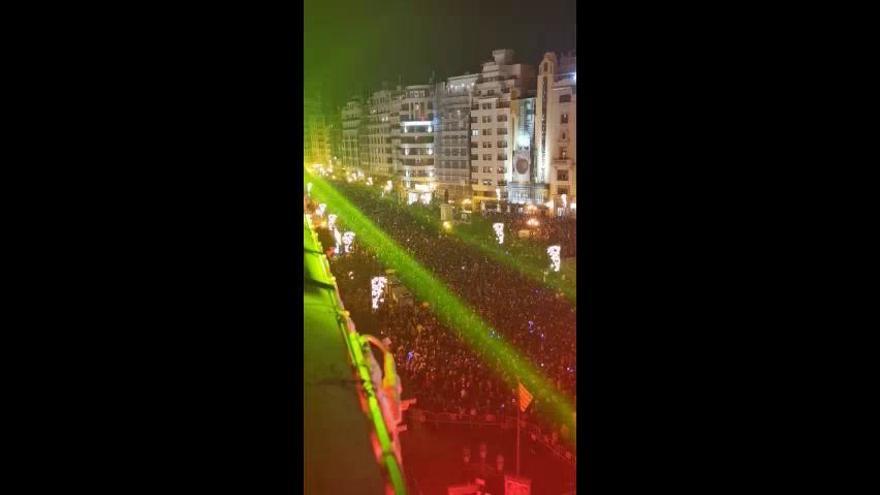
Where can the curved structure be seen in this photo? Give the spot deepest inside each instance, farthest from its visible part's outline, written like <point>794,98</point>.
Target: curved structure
<point>351,405</point>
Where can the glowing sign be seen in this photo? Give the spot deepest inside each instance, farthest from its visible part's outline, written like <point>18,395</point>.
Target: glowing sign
<point>499,232</point>
<point>378,286</point>
<point>553,251</point>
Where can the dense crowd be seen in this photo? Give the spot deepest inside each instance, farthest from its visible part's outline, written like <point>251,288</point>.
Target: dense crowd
<point>436,366</point>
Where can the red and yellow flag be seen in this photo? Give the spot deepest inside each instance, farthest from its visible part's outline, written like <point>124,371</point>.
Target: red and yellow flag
<point>525,398</point>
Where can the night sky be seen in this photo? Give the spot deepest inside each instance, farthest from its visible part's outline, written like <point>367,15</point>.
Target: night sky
<point>353,45</point>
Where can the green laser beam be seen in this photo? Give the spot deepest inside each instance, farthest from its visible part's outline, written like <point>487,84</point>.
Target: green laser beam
<point>451,310</point>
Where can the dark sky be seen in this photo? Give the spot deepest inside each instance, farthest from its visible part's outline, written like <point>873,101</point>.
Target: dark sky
<point>351,45</point>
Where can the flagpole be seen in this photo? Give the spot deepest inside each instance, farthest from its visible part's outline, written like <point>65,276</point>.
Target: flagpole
<point>518,411</point>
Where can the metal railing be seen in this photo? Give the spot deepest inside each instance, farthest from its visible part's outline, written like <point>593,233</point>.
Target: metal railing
<point>496,421</point>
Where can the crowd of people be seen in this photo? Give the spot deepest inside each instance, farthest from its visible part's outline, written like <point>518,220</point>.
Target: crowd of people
<point>435,364</point>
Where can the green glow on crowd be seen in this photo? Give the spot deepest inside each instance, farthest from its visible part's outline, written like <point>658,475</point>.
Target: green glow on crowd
<point>528,259</point>
<point>450,309</point>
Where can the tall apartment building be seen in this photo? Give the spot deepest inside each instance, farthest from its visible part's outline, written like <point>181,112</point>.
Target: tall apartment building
<point>379,133</point>
<point>334,136</point>
<point>491,139</point>
<point>452,162</point>
<point>556,126</point>
<point>418,121</point>
<point>523,186</point>
<point>315,135</point>
<point>351,125</point>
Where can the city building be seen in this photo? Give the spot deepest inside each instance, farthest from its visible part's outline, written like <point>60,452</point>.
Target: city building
<point>334,137</point>
<point>556,129</point>
<point>524,186</point>
<point>315,136</point>
<point>351,126</point>
<point>452,163</point>
<point>418,123</point>
<point>378,132</point>
<point>491,157</point>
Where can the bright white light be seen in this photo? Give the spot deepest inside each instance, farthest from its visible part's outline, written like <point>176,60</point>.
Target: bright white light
<point>331,221</point>
<point>498,193</point>
<point>321,208</point>
<point>347,239</point>
<point>413,123</point>
<point>549,204</point>
<point>369,181</point>
<point>522,140</point>
<point>499,232</point>
<point>553,251</point>
<point>574,206</point>
<point>564,199</point>
<point>338,237</point>
<point>378,285</point>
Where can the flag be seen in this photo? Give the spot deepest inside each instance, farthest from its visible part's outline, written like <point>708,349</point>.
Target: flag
<point>525,398</point>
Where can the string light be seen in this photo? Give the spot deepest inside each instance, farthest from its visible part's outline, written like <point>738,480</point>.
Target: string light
<point>378,286</point>
<point>347,239</point>
<point>499,232</point>
<point>553,251</point>
<point>338,237</point>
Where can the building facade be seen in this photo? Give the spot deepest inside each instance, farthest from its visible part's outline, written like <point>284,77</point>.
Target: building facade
<point>378,133</point>
<point>351,125</point>
<point>452,162</point>
<point>418,123</point>
<point>491,142</point>
<point>556,128</point>
<point>524,186</point>
<point>315,136</point>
